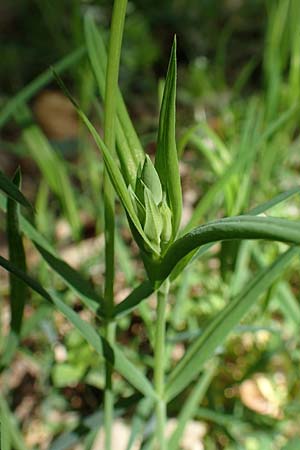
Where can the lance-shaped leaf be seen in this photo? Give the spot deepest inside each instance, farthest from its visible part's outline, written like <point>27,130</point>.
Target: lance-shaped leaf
<point>230,228</point>
<point>113,170</point>
<point>166,159</point>
<point>190,406</point>
<point>217,331</point>
<point>74,280</point>
<point>70,276</point>
<point>18,289</point>
<point>11,190</point>
<point>129,149</point>
<point>51,165</point>
<point>135,297</point>
<point>112,354</point>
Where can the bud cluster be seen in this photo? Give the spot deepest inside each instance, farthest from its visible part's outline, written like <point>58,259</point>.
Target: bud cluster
<point>151,206</point>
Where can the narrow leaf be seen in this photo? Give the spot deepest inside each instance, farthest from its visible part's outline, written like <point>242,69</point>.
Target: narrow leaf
<point>12,191</point>
<point>129,148</point>
<point>139,294</point>
<point>18,289</point>
<point>112,168</point>
<point>217,331</point>
<point>8,422</point>
<point>112,354</point>
<point>74,280</point>
<point>38,83</point>
<point>230,228</point>
<point>51,165</point>
<point>166,159</point>
<point>190,406</point>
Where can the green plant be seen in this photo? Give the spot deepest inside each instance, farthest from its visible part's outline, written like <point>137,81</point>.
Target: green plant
<point>151,196</point>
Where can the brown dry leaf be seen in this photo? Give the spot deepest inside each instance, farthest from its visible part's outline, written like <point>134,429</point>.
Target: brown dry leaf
<point>260,395</point>
<point>56,115</point>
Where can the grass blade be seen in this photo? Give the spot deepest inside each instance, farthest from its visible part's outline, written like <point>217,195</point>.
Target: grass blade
<point>190,407</point>
<point>71,277</point>
<point>140,417</point>
<point>74,280</point>
<point>9,427</point>
<point>18,289</point>
<point>38,83</point>
<point>111,353</point>
<point>52,167</point>
<point>11,190</point>
<point>204,347</point>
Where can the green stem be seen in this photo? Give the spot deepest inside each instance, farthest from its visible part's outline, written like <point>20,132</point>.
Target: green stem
<point>159,365</point>
<point>110,101</point>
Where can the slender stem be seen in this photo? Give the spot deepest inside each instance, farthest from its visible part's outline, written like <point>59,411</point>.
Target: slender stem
<point>111,88</point>
<point>159,365</point>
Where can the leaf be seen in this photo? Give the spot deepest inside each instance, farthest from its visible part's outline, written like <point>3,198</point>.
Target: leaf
<point>112,354</point>
<point>38,83</point>
<point>74,280</point>
<point>24,277</point>
<point>139,420</point>
<point>217,331</point>
<point>113,170</point>
<point>166,158</point>
<point>129,148</point>
<point>8,422</point>
<point>257,210</point>
<point>72,277</point>
<point>52,167</point>
<point>11,190</point>
<point>189,409</point>
<point>140,293</point>
<point>18,289</point>
<point>230,228</point>
<point>293,444</point>
<point>274,201</point>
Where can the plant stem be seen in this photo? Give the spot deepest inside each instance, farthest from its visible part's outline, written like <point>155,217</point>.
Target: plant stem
<point>159,364</point>
<point>111,88</point>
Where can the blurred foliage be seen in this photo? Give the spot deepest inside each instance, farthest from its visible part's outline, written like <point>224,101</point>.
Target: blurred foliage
<point>230,51</point>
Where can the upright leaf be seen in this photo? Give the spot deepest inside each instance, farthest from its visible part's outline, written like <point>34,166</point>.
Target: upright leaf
<point>10,189</point>
<point>18,289</point>
<point>166,159</point>
<point>130,151</point>
<point>52,167</point>
<point>112,169</point>
<point>190,406</point>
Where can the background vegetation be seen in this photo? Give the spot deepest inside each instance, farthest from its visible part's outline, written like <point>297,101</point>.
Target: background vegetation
<point>238,136</point>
